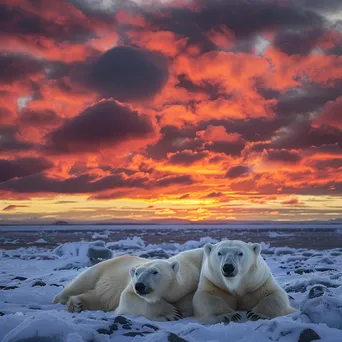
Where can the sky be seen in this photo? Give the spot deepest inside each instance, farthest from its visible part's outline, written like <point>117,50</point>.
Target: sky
<point>201,110</point>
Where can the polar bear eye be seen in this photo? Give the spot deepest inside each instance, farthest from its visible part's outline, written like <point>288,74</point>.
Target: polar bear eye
<point>219,253</point>
<point>154,272</point>
<point>240,254</point>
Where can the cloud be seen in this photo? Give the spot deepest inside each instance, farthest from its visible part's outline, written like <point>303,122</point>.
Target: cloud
<point>16,67</point>
<point>39,118</point>
<point>243,18</point>
<point>214,194</point>
<point>238,171</point>
<point>172,180</point>
<point>10,140</point>
<point>128,73</point>
<point>334,163</point>
<point>186,157</point>
<point>22,167</point>
<point>173,140</point>
<point>292,201</point>
<point>13,207</point>
<point>107,123</point>
<point>44,19</point>
<point>282,156</point>
<point>298,41</point>
<point>82,184</point>
<point>331,114</point>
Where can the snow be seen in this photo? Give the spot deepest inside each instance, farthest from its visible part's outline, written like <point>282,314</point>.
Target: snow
<point>31,276</point>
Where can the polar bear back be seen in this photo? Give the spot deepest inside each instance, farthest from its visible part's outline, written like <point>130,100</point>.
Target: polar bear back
<point>188,275</point>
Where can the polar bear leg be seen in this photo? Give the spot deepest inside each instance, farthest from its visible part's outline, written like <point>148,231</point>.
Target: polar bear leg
<point>211,309</point>
<point>274,305</point>
<point>84,301</point>
<point>82,283</point>
<point>184,305</point>
<point>131,304</point>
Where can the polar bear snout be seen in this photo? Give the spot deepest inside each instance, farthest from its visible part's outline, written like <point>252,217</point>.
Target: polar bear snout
<point>229,270</point>
<point>141,289</point>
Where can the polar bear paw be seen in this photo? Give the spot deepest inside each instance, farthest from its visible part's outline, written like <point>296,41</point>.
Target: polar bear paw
<point>232,318</point>
<point>175,315</point>
<point>253,316</point>
<point>75,304</point>
<point>59,298</point>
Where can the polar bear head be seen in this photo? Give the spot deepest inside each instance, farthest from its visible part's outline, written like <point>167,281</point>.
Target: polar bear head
<point>230,260</point>
<point>153,280</point>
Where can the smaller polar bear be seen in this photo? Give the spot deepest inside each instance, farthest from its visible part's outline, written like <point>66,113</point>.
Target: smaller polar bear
<point>157,289</point>
<point>234,276</point>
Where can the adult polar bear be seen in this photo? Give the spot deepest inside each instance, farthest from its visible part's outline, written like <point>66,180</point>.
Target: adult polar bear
<point>156,289</point>
<point>234,276</point>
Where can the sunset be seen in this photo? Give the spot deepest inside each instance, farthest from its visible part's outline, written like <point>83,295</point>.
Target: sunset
<point>164,110</point>
<point>170,170</point>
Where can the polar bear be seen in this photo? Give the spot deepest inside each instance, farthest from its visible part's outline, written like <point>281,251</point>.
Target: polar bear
<point>233,277</point>
<point>156,289</point>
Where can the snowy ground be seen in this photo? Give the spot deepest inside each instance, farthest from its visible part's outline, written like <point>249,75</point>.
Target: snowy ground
<point>30,277</point>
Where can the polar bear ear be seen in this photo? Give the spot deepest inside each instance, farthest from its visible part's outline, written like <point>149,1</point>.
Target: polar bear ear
<point>132,271</point>
<point>207,248</point>
<point>175,266</point>
<point>256,248</point>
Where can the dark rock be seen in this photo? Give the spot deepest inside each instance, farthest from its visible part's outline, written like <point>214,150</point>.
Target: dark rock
<point>325,269</point>
<point>99,253</point>
<point>114,327</point>
<point>150,326</point>
<point>38,283</point>
<point>317,291</point>
<point>127,326</point>
<point>2,314</point>
<point>19,278</point>
<point>159,254</point>
<point>308,335</point>
<point>175,338</point>
<point>122,320</point>
<point>8,287</point>
<point>105,331</point>
<point>136,333</point>
<point>303,271</point>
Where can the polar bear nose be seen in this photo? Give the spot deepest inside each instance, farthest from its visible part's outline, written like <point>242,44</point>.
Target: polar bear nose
<point>140,287</point>
<point>228,269</point>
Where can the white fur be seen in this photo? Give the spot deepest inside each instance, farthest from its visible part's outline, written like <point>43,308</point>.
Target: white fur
<point>110,285</point>
<point>250,287</point>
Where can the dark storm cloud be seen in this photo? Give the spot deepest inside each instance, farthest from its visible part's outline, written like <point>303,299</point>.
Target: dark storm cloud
<point>127,73</point>
<point>321,5</point>
<point>238,171</point>
<point>255,129</point>
<point>298,41</point>
<point>22,167</point>
<point>81,184</point>
<point>211,89</point>
<point>10,140</point>
<point>14,67</point>
<point>86,183</point>
<point>306,99</point>
<point>104,124</point>
<point>174,140</point>
<point>301,135</point>
<point>232,148</point>
<point>38,118</point>
<point>283,156</point>
<point>20,22</point>
<point>244,18</point>
<point>172,180</point>
<point>334,163</point>
<point>187,157</point>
